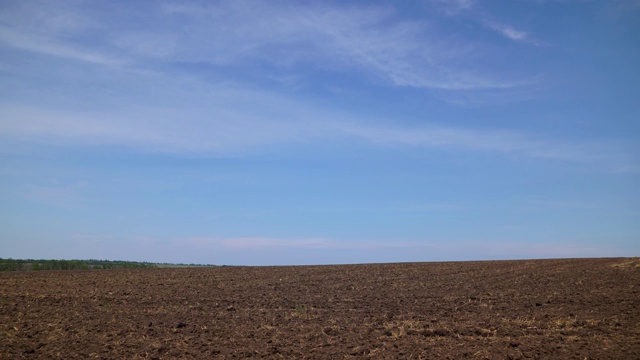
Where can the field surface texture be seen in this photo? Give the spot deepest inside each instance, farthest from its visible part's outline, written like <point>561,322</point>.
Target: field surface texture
<point>542,309</point>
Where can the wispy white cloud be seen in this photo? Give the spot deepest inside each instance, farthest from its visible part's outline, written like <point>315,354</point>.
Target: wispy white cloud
<point>53,47</point>
<point>371,40</point>
<point>467,9</point>
<point>263,243</point>
<point>507,31</point>
<point>554,203</point>
<point>65,18</point>
<point>56,195</point>
<point>85,238</point>
<point>368,38</point>
<point>628,169</point>
<point>185,114</point>
<point>511,32</point>
<point>272,250</point>
<point>233,132</point>
<point>452,7</point>
<point>485,140</point>
<point>59,30</point>
<point>192,116</point>
<point>518,249</point>
<point>267,243</point>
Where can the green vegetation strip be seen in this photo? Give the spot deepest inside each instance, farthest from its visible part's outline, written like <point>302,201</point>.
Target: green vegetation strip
<point>30,264</point>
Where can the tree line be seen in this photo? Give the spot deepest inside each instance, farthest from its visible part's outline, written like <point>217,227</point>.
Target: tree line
<point>30,264</point>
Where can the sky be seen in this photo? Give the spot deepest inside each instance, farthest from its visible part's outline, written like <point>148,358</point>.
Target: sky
<point>319,132</point>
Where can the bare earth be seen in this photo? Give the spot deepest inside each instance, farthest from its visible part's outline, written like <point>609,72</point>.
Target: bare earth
<point>541,309</point>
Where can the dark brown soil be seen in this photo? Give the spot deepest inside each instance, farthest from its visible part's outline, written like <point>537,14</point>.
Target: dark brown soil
<point>542,309</point>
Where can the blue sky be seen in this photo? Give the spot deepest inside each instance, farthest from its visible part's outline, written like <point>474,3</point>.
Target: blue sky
<point>289,132</point>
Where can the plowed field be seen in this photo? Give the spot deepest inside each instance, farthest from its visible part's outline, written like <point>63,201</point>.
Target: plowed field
<point>541,309</point>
